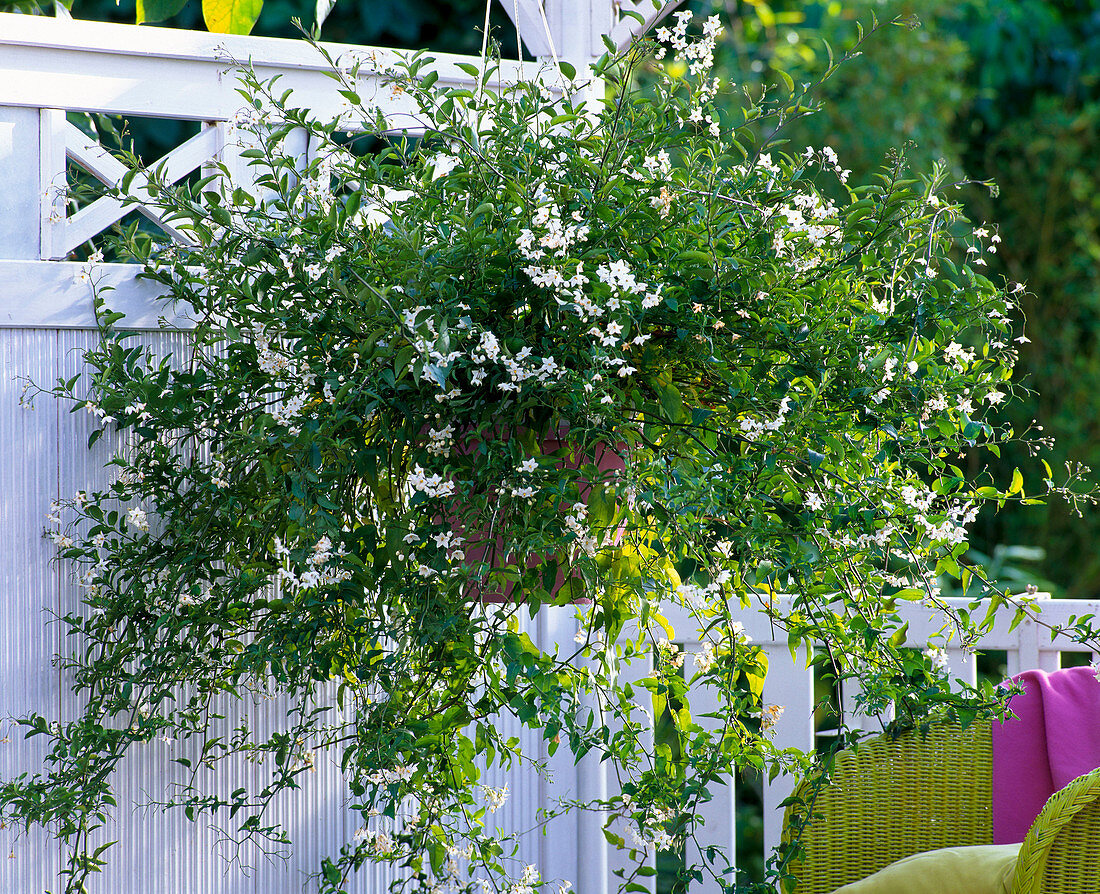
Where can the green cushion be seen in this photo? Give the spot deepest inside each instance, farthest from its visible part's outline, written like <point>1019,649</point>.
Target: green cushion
<point>982,869</point>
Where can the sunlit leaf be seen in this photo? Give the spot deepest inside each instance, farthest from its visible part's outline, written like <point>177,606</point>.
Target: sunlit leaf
<point>158,10</point>
<point>231,16</point>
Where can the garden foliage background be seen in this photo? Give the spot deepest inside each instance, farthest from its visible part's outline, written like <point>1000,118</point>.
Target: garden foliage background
<point>1006,91</point>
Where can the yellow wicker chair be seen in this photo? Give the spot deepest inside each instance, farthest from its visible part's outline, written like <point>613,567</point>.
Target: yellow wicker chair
<point>891,798</point>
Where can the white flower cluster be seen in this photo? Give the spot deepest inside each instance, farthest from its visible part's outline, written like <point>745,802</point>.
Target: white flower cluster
<point>451,543</point>
<point>809,217</point>
<point>248,118</point>
<point>698,55</point>
<point>495,798</point>
<point>96,410</point>
<point>576,521</point>
<point>377,842</point>
<point>61,540</point>
<point>556,237</point>
<point>652,835</point>
<point>659,165</point>
<point>289,375</point>
<point>398,774</point>
<point>937,656</point>
<point>441,440</point>
<point>217,475</point>
<point>754,428</point>
<point>705,659</point>
<point>952,529</point>
<point>670,655</point>
<point>958,356</point>
<point>438,350</point>
<point>316,573</point>
<point>917,498</point>
<point>430,485</point>
<point>696,597</point>
<point>828,159</point>
<point>526,881</point>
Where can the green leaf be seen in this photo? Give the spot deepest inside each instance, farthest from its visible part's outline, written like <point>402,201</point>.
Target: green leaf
<point>231,16</point>
<point>691,257</point>
<point>157,10</point>
<point>331,872</point>
<point>672,403</point>
<point>660,702</point>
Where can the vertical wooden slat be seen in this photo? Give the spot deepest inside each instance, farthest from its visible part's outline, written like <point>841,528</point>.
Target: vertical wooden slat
<point>52,162</point>
<point>1028,644</point>
<point>28,588</point>
<point>963,665</point>
<point>560,850</point>
<point>593,857</point>
<point>790,685</point>
<point>641,666</point>
<point>296,146</point>
<point>719,826</point>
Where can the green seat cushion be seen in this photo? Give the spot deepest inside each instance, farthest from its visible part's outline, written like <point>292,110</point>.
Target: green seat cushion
<point>982,869</point>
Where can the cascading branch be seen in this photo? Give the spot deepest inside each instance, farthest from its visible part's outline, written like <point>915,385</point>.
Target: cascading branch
<point>629,357</point>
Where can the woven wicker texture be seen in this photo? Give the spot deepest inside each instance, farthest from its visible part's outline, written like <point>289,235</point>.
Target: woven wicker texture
<point>891,798</point>
<point>1061,854</point>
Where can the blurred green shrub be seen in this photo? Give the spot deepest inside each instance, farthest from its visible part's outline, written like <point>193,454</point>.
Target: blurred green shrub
<point>999,90</point>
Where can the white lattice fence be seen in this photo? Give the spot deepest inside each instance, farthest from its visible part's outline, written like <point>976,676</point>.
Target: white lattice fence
<point>51,71</point>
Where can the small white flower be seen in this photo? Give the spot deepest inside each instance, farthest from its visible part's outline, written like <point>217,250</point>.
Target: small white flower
<point>705,659</point>
<point>442,165</point>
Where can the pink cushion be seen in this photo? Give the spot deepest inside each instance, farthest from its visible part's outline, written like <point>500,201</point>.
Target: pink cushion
<point>1054,738</point>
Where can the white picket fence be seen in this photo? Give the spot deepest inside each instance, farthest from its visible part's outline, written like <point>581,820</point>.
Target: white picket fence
<point>50,68</point>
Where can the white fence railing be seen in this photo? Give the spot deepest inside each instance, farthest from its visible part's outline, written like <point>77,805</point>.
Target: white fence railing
<point>49,69</point>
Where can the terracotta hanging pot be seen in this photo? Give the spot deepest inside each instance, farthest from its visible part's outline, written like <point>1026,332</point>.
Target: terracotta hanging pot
<point>486,549</point>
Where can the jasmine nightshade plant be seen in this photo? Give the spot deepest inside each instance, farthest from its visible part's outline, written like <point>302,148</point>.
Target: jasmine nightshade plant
<point>523,350</point>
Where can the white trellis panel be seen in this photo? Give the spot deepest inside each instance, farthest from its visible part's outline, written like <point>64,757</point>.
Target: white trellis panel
<point>47,69</point>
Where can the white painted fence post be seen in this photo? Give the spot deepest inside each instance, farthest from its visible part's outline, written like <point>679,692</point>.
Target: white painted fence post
<point>53,183</point>
<point>21,190</point>
<point>791,686</point>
